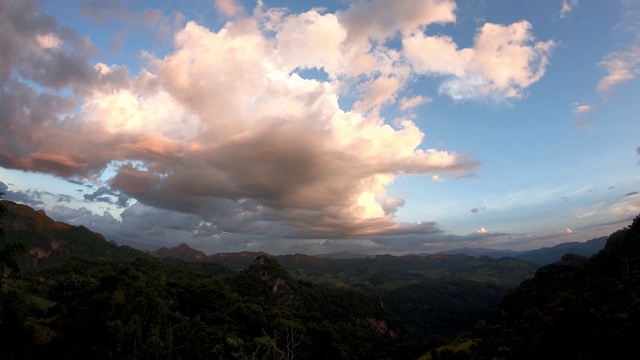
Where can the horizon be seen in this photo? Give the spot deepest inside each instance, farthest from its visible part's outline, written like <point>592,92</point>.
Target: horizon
<point>371,127</point>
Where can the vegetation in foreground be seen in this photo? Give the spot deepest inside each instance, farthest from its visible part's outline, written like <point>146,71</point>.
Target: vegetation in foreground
<point>81,296</point>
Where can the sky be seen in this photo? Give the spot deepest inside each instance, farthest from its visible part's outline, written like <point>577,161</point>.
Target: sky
<point>376,127</point>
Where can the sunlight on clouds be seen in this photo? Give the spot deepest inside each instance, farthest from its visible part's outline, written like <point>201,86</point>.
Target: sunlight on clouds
<point>567,7</point>
<point>503,62</point>
<point>228,131</point>
<point>229,8</point>
<point>480,231</point>
<point>621,67</point>
<point>48,41</point>
<point>410,103</point>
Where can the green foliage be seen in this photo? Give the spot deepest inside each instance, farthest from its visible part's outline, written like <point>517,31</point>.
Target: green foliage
<point>577,308</point>
<point>87,298</point>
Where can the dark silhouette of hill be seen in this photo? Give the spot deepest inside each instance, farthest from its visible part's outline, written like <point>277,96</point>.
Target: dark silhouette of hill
<point>575,308</point>
<point>51,242</point>
<point>552,254</point>
<point>543,256</point>
<point>388,271</point>
<point>342,255</point>
<point>182,252</point>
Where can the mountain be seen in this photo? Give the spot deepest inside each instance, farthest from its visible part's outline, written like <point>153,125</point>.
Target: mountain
<point>477,252</point>
<point>575,308</point>
<point>549,255</point>
<point>238,260</point>
<point>52,242</point>
<point>388,271</point>
<point>182,252</point>
<point>541,256</point>
<point>341,255</point>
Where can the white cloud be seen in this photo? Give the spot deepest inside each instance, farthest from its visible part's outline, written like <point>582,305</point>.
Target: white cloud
<point>581,109</point>
<point>622,66</point>
<point>504,61</point>
<point>567,7</point>
<point>437,178</point>
<point>381,19</point>
<point>229,8</point>
<point>580,113</point>
<point>413,102</point>
<point>480,231</point>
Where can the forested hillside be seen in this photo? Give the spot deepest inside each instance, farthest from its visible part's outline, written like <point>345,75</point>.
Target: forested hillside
<point>66,292</point>
<point>79,295</point>
<point>577,308</point>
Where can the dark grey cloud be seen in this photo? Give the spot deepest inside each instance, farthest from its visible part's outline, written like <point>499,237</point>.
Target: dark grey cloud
<point>29,197</point>
<point>106,194</point>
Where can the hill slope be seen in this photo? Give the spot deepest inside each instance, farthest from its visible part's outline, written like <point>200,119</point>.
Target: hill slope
<point>51,242</point>
<point>576,308</point>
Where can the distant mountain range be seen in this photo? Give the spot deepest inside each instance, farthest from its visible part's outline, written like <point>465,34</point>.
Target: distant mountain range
<point>543,256</point>
<point>55,241</point>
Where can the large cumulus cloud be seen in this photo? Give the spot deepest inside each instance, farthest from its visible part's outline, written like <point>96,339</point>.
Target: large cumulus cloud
<point>224,128</point>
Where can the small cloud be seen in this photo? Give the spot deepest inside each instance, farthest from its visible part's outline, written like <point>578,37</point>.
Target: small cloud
<point>565,231</point>
<point>579,114</point>
<point>410,103</point>
<point>229,8</point>
<point>437,178</point>
<point>104,194</point>
<point>611,187</point>
<point>582,109</point>
<point>632,193</point>
<point>476,210</point>
<point>567,7</point>
<point>564,198</point>
<point>622,67</point>
<point>480,231</point>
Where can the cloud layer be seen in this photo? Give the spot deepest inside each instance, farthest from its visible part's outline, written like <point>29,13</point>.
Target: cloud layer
<point>226,128</point>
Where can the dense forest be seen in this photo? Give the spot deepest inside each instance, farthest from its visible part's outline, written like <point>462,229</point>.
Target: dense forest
<point>66,292</point>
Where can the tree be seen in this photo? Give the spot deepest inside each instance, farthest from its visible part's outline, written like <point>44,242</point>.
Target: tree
<point>9,249</point>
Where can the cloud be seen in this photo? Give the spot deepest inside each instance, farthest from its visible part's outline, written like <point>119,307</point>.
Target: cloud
<point>581,109</point>
<point>567,7</point>
<point>477,210</point>
<point>105,194</point>
<point>437,178</point>
<point>621,67</point>
<point>223,128</point>
<point>580,112</point>
<point>480,231</point>
<point>504,61</point>
<point>410,103</point>
<point>627,207</point>
<point>38,55</point>
<point>380,19</point>
<point>229,8</point>
<point>565,231</point>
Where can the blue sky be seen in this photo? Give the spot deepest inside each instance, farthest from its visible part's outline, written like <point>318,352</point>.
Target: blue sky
<point>286,126</point>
